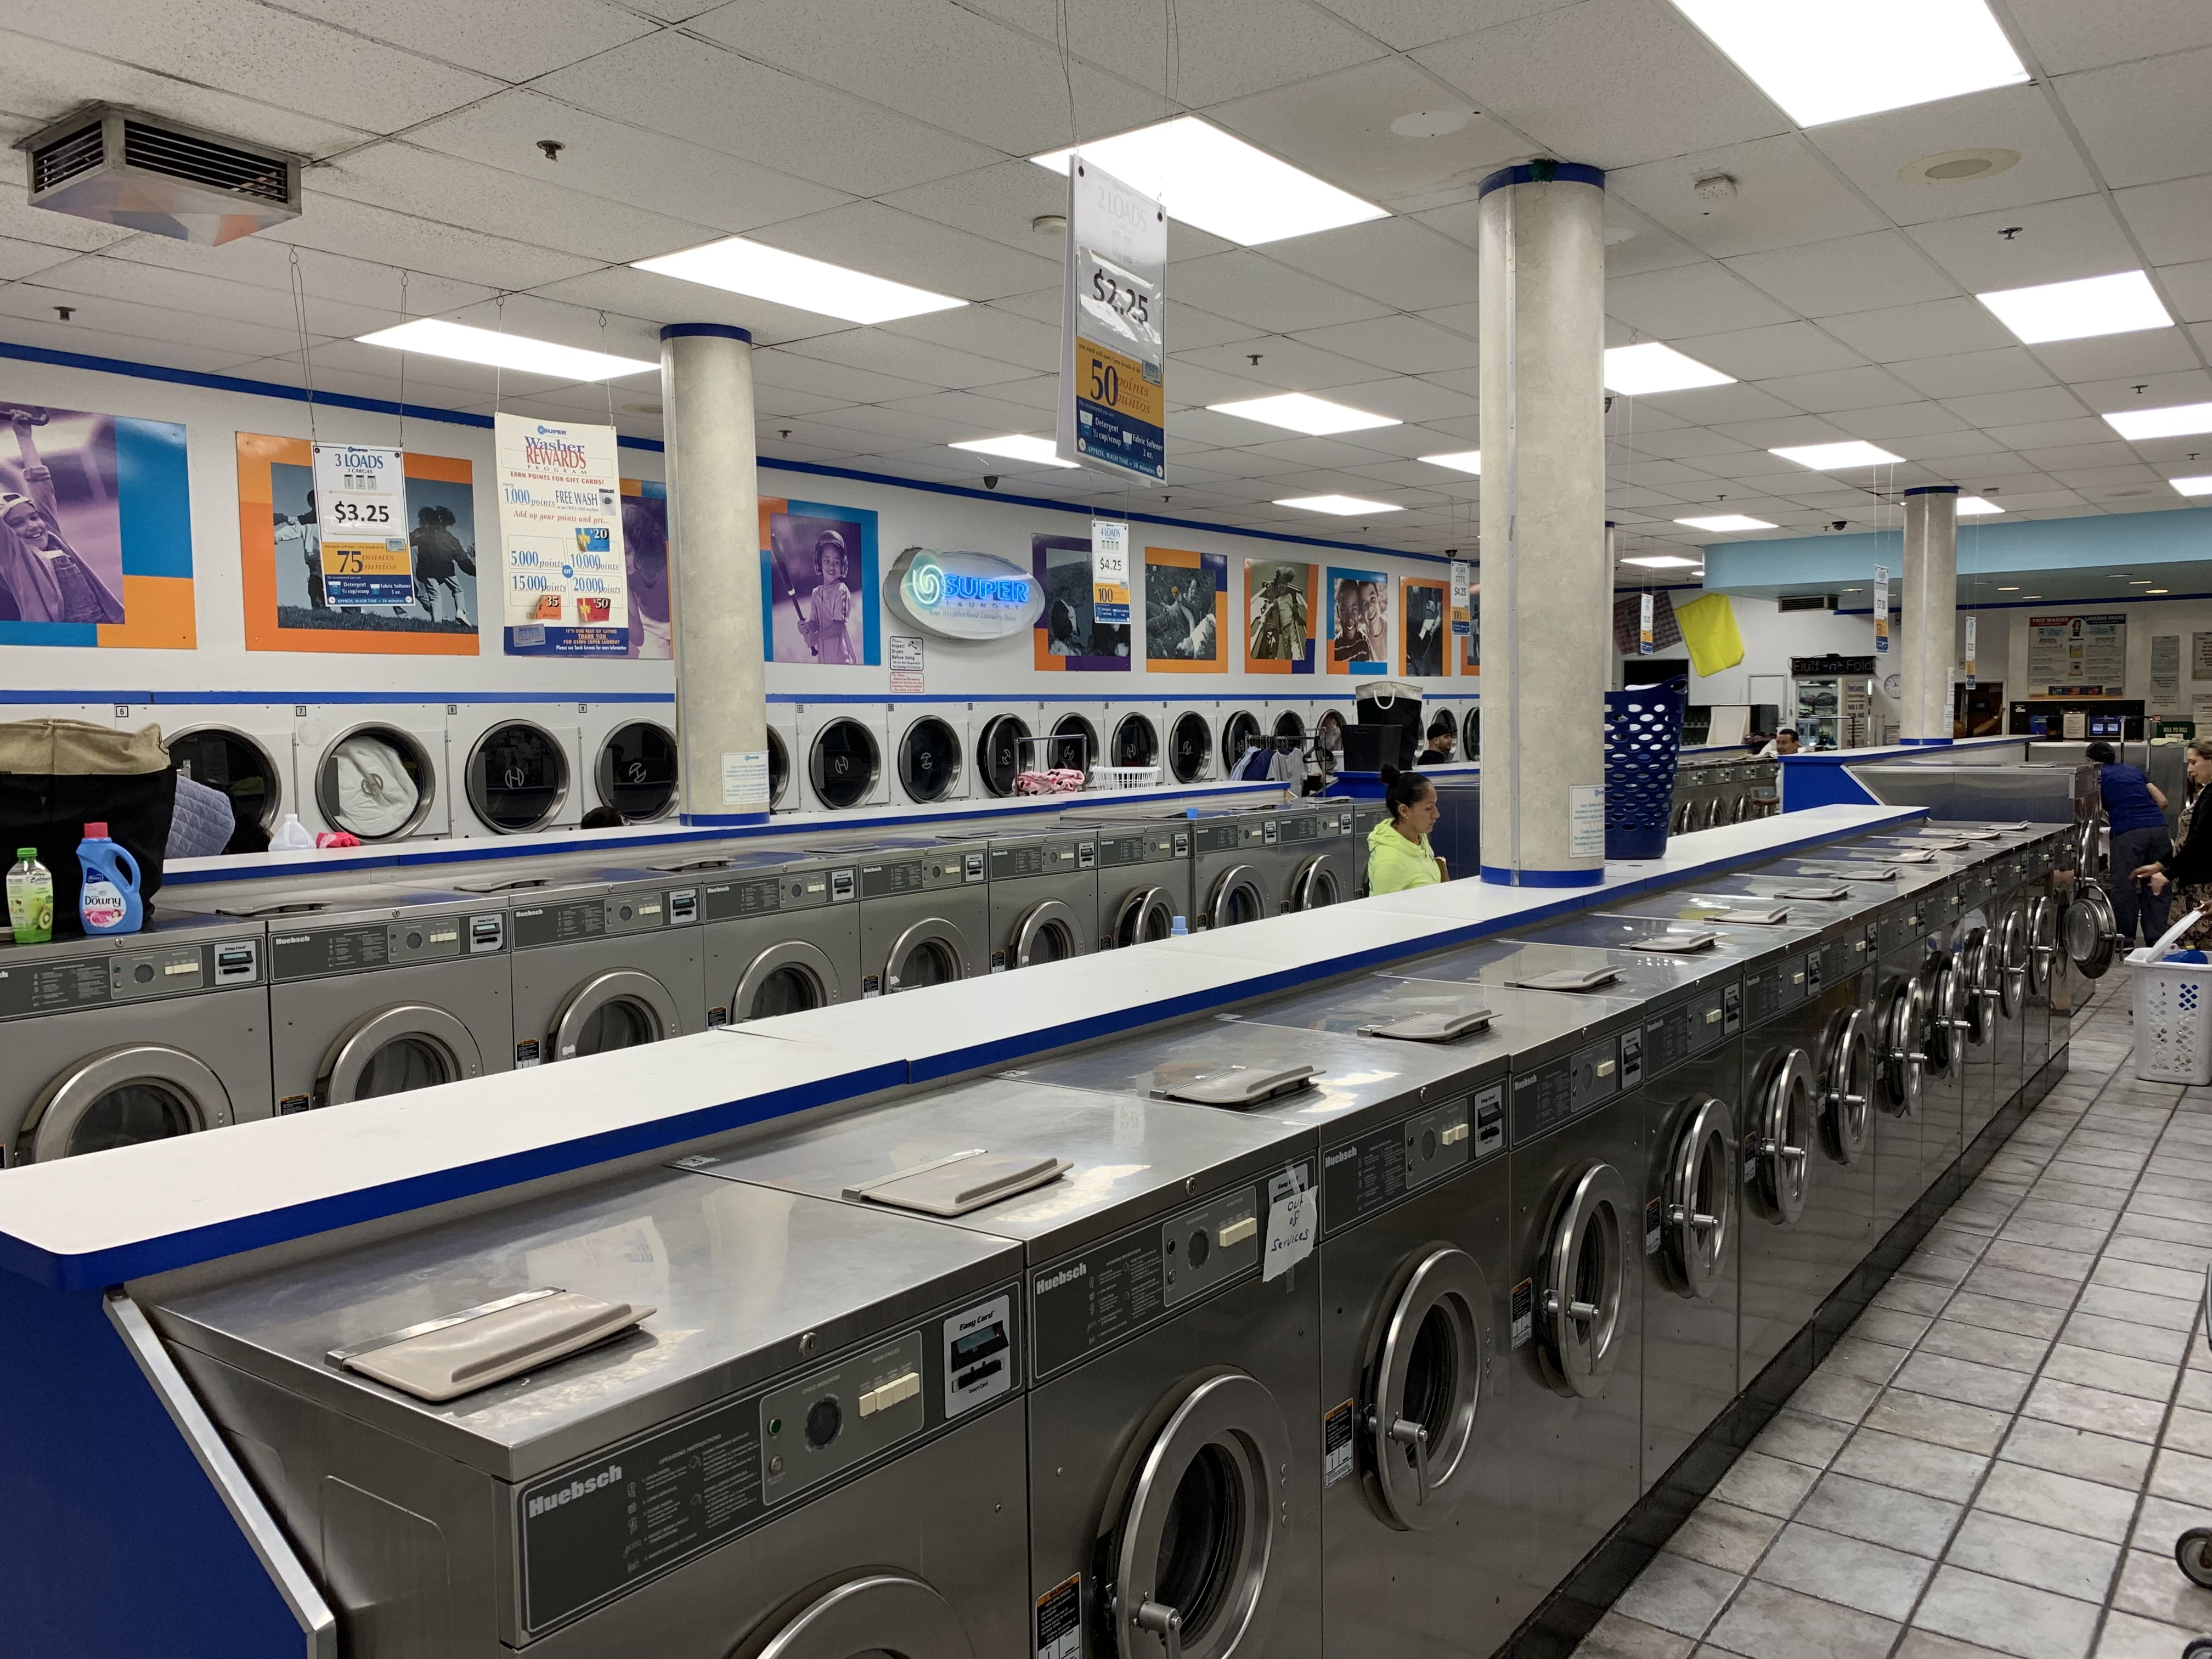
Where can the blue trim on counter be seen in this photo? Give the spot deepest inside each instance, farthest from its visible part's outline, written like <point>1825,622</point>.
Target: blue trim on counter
<point>724,820</point>
<point>1500,875</point>
<point>1925,743</point>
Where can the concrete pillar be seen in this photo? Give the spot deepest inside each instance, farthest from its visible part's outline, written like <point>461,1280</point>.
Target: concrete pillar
<point>1928,611</point>
<point>714,572</point>
<point>1547,580</point>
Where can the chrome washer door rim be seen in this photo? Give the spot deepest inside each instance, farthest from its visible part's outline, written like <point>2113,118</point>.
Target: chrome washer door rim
<point>1240,877</point>
<point>1316,875</point>
<point>348,1061</point>
<point>1903,1025</point>
<point>809,959</point>
<point>883,1612</point>
<point>1697,1243</point>
<point>1846,1086</point>
<point>61,1107</point>
<point>1048,915</point>
<point>929,930</point>
<point>1581,1342</point>
<point>627,985</point>
<point>1782,1136</point>
<point>1133,920</point>
<point>1448,1280</point>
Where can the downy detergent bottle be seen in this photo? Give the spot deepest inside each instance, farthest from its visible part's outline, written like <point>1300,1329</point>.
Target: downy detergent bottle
<point>108,901</point>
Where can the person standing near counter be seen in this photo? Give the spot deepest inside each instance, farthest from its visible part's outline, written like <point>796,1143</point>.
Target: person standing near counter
<point>2135,811</point>
<point>1398,855</point>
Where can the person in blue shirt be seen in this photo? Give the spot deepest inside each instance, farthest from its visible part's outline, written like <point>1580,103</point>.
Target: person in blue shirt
<point>2135,809</point>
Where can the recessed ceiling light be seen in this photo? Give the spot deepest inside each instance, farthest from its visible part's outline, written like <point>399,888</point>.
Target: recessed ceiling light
<point>1640,371</point>
<point>1016,446</point>
<point>1837,458</point>
<point>1958,166</point>
<point>1430,123</point>
<point>763,272</point>
<point>1317,417</point>
<point>2119,304</point>
<point>1831,63</point>
<point>2175,421</point>
<point>2145,582</point>
<point>2200,485</point>
<point>1973,507</point>
<point>1462,460</point>
<point>1662,561</point>
<point>437,338</point>
<point>1723,521</point>
<point>1344,506</point>
<point>2156,590</point>
<point>1208,179</point>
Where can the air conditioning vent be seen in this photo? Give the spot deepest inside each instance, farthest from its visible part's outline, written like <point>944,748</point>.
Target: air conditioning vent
<point>119,168</point>
<point>1805,602</point>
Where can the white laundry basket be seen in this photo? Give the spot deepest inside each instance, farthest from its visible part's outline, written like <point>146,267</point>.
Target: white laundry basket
<point>2174,1012</point>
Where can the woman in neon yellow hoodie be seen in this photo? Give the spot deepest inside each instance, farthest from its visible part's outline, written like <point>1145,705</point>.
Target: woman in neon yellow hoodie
<point>1398,855</point>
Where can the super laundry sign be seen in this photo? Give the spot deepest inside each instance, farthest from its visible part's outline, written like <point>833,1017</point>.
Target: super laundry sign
<point>962,596</point>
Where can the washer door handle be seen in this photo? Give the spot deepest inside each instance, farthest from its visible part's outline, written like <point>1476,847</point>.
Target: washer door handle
<point>1406,1432</point>
<point>1164,1622</point>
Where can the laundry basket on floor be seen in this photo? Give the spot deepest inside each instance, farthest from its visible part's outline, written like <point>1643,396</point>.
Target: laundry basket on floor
<point>2173,1011</point>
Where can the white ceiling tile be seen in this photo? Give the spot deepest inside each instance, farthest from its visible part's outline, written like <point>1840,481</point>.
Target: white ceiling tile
<point>980,414</point>
<point>2014,409</point>
<point>908,425</point>
<point>988,330</point>
<point>1191,383</point>
<point>2192,385</point>
<point>2086,478</point>
<point>664,300</point>
<point>1419,475</point>
<point>1774,433</point>
<point>1660,475</point>
<point>1249,287</point>
<point>1850,273</point>
<point>1930,329</point>
<point>886,353</point>
<point>2146,120</point>
<point>193,293</point>
<point>2057,241</point>
<point>1039,393</point>
<point>692,89</point>
<point>2188,290</point>
<point>1689,300</point>
<point>2142,352</point>
<point>772,402</point>
<point>1190,328</point>
<point>829,379</point>
<point>1710,405</point>
<point>1578,81</point>
<point>1837,389</point>
<point>362,231</point>
<point>1405,345</point>
<point>886,242</point>
<point>2173,220</point>
<point>1227,435</point>
<point>2039,500</point>
<point>2065,35</point>
<point>19,259</point>
<point>1411,438</point>
<point>508,40</point>
<point>1000,201</point>
<point>2036,439</point>
<point>1784,194</point>
<point>1291,365</point>
<point>1734,463</point>
<point>1763,354</point>
<point>1402,263</point>
<point>1899,421</point>
<point>1677,443</point>
<point>1964,373</point>
<point>34,300</point>
<point>2055,458</point>
<point>1873,150</point>
<point>1954,444</point>
<point>1405,24</point>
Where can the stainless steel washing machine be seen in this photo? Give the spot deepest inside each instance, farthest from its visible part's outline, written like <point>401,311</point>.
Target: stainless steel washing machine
<point>602,959</point>
<point>925,910</point>
<point>1144,882</point>
<point>1044,902</point>
<point>1175,1473</point>
<point>781,931</point>
<point>381,990</point>
<point>1234,859</point>
<point>553,1427</point>
<point>114,1041</point>
<point>1315,843</point>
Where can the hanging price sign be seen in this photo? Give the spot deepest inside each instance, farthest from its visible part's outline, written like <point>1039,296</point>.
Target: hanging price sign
<point>1970,654</point>
<point>1881,609</point>
<point>1462,598</point>
<point>361,507</point>
<point>1644,628</point>
<point>1113,371</point>
<point>1110,571</point>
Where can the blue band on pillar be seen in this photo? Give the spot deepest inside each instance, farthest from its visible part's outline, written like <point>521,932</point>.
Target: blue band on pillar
<point>1543,173</point>
<point>1933,490</point>
<point>1499,875</point>
<point>711,331</point>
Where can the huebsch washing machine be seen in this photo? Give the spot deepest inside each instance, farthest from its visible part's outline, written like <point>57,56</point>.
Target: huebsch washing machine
<point>782,933</point>
<point>114,1041</point>
<point>1144,881</point>
<point>517,766</point>
<point>381,990</point>
<point>831,1463</point>
<point>1175,1473</point>
<point>1233,861</point>
<point>1044,902</point>
<point>925,910</point>
<point>1315,844</point>
<point>602,959</point>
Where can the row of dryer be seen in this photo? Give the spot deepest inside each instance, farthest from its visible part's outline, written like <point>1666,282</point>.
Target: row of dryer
<point>282,997</point>
<point>1724,788</point>
<point>1346,1324</point>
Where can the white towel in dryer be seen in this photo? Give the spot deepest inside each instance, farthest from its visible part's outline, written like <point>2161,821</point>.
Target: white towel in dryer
<point>375,796</point>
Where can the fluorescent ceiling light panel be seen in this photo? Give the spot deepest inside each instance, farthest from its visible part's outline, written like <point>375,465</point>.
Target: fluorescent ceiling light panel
<point>1973,507</point>
<point>1640,371</point>
<point>1464,460</point>
<point>2175,421</point>
<point>2119,304</point>
<point>1317,417</point>
<point>1725,521</point>
<point>1837,458</point>
<point>1829,63</point>
<point>1662,561</point>
<point>1208,179</point>
<point>1344,506</point>
<point>1016,446</point>
<point>438,338</point>
<point>2200,485</point>
<point>763,272</point>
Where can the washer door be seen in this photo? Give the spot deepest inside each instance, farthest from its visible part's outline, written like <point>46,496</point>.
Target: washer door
<point>779,769</point>
<point>931,952</point>
<point>1195,1561</point>
<point>1316,885</point>
<point>1289,725</point>
<point>1847,1084</point>
<point>374,781</point>
<point>929,759</point>
<point>1905,1016</point>
<point>636,769</point>
<point>1136,742</point>
<point>1046,932</point>
<point>998,753</point>
<point>1238,732</point>
<point>1236,898</point>
<point>1974,963</point>
<point>844,764</point>
<point>2091,931</point>
<point>1428,1360</point>
<point>1782,1135</point>
<point>2042,942</point>
<point>2090,859</point>
<point>1328,737</point>
<point>884,1614</point>
<point>517,777</point>
<point>1583,1282</point>
<point>394,1050</point>
<point>1700,1201</point>
<point>237,765</point>
<point>1190,746</point>
<point>1944,998</point>
<point>120,1096</point>
<point>1146,915</point>
<point>622,1008</point>
<point>1074,746</point>
<point>787,978</point>
<point>2011,953</point>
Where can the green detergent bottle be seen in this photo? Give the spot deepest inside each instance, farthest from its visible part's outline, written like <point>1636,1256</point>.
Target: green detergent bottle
<point>30,899</point>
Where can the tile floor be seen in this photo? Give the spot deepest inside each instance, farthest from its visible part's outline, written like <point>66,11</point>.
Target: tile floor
<point>1997,1457</point>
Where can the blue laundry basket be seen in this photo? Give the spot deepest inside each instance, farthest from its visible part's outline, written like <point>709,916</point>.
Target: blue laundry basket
<point>1642,739</point>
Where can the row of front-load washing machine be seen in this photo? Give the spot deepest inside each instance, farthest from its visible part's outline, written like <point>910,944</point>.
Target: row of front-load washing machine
<point>1347,1324</point>
<point>241,1001</point>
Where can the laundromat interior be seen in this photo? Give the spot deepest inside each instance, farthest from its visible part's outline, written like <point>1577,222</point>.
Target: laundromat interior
<point>1227,829</point>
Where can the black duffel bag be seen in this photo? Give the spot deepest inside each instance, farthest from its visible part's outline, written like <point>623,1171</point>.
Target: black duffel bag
<point>56,776</point>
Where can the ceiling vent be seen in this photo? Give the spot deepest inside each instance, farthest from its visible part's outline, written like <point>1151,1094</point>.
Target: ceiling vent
<point>1805,602</point>
<point>116,168</point>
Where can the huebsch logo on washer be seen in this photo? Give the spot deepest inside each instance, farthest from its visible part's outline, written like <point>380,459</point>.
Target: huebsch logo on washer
<point>1065,1276</point>
<point>582,1486</point>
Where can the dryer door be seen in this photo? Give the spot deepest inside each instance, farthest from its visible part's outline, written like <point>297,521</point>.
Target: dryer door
<point>136,1092</point>
<point>1237,897</point>
<point>1316,884</point>
<point>620,1009</point>
<point>929,759</point>
<point>1583,1282</point>
<point>844,764</point>
<point>237,765</point>
<point>1700,1200</point>
<point>779,769</point>
<point>1136,742</point>
<point>787,978</point>
<point>1428,1359</point>
<point>1905,1014</point>
<point>1238,731</point>
<point>998,753</point>
<point>1190,747</point>
<point>1145,914</point>
<point>1196,1562</point>
<point>1046,932</point>
<point>2091,931</point>
<point>2041,942</point>
<point>883,1613</point>
<point>394,1050</point>
<point>1782,1130</point>
<point>517,777</point>
<point>635,771</point>
<point>1847,1084</point>
<point>932,951</point>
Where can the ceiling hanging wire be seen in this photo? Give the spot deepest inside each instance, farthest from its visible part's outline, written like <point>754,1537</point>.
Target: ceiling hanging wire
<point>307,366</point>
<point>1063,31</point>
<point>498,372</point>
<point>403,365</point>
<point>609,385</point>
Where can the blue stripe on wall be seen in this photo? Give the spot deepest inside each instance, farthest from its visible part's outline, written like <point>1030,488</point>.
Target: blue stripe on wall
<point>154,496</point>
